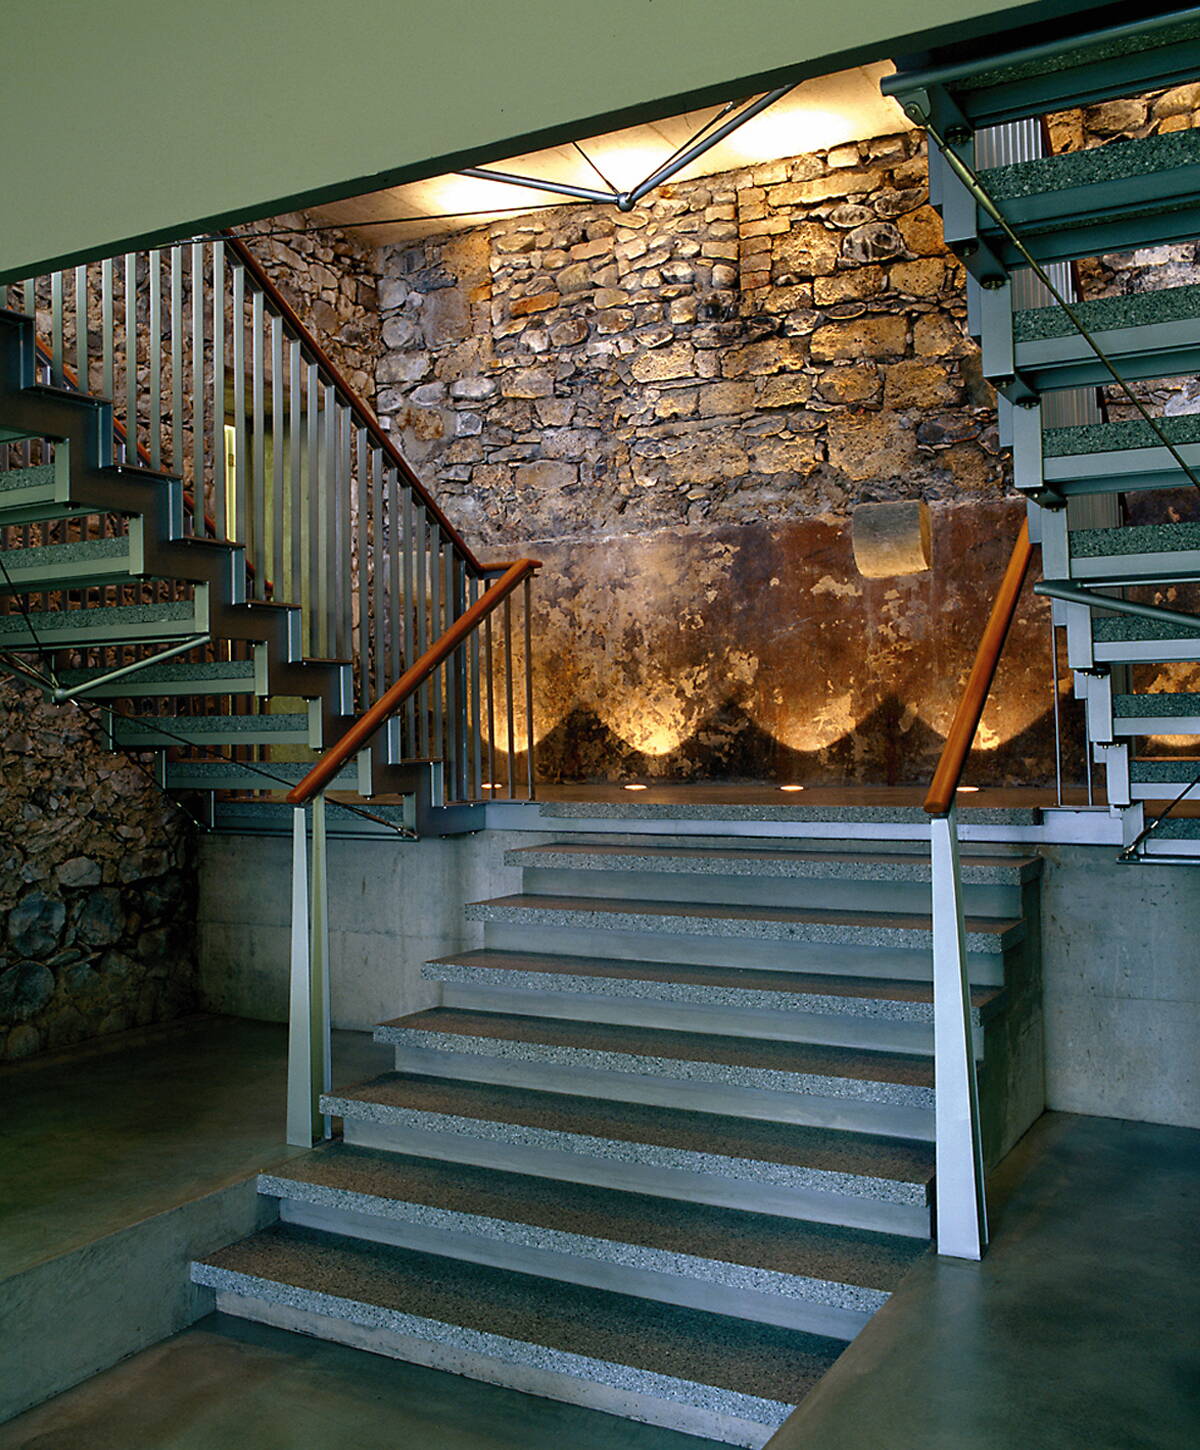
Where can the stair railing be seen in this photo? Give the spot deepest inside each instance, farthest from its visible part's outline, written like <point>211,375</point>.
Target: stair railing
<point>215,379</point>
<point>959,1185</point>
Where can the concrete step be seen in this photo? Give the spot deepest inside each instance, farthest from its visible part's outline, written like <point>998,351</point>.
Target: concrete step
<point>1148,335</point>
<point>836,1087</point>
<point>1142,553</point>
<point>784,1169</point>
<point>821,1278</point>
<point>699,1373</point>
<point>106,625</point>
<point>1119,457</point>
<point>876,1013</point>
<point>1163,779</point>
<point>274,775</point>
<point>146,732</point>
<point>30,496</point>
<point>1118,638</point>
<point>1162,713</point>
<point>77,565</point>
<point>174,678</point>
<point>276,818</point>
<point>1113,198</point>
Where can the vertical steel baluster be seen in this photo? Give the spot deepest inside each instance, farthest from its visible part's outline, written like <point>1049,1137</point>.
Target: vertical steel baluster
<point>312,460</point>
<point>362,574</point>
<point>463,683</point>
<point>131,358</point>
<point>402,638</point>
<point>177,451</point>
<point>345,498</point>
<point>508,691</point>
<point>379,575</point>
<point>277,436</point>
<point>324,525</point>
<point>436,628</point>
<point>106,328</point>
<point>296,516</point>
<point>529,771</point>
<point>241,480</point>
<point>491,701</point>
<point>476,791</point>
<point>30,297</point>
<point>423,694</point>
<point>154,340</point>
<point>197,398</point>
<point>452,754</point>
<point>56,329</point>
<point>81,327</point>
<point>258,445</point>
<point>223,504</point>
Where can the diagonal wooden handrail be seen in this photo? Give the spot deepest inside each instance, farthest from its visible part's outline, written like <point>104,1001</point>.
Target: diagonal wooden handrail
<point>410,681</point>
<point>966,720</point>
<point>350,398</point>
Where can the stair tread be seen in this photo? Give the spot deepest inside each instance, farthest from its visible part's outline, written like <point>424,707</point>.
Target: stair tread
<point>1105,314</point>
<point>780,1245</point>
<point>1169,772</point>
<point>37,475</point>
<point>995,929</point>
<point>77,551</point>
<point>1117,629</point>
<point>214,724</point>
<point>286,772</point>
<point>620,1041</point>
<point>707,860</point>
<point>1118,437</point>
<point>1161,704</point>
<point>1095,166</point>
<point>777,1365</point>
<point>1135,539</point>
<point>46,621</point>
<point>750,979</point>
<point>171,672</point>
<point>827,1150</point>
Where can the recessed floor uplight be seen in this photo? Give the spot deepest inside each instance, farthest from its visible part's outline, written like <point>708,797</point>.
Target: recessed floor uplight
<point>636,787</point>
<point>791,787</point>
<point>967,789</point>
<point>491,785</point>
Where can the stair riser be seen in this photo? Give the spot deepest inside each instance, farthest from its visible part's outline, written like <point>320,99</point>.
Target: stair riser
<point>1125,471</point>
<point>1160,725</point>
<point>704,1284</point>
<point>1148,651</point>
<point>834,894</point>
<point>640,1168</point>
<point>782,1023</point>
<point>1060,238</point>
<point>895,964</point>
<point>570,1386</point>
<point>906,1119</point>
<point>1164,790</point>
<point>1164,350</point>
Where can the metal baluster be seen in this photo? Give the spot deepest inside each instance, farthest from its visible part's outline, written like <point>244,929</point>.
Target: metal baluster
<point>201,524</point>
<point>476,768</point>
<point>131,358</point>
<point>30,295</point>
<point>508,692</point>
<point>436,629</point>
<point>154,340</point>
<point>296,474</point>
<point>106,327</point>
<point>362,588</point>
<point>324,526</point>
<point>56,329</point>
<point>311,523</point>
<point>223,502</point>
<point>402,638</point>
<point>345,496</point>
<point>240,478</point>
<point>81,327</point>
<point>491,701</point>
<point>422,544</point>
<point>380,575</point>
<point>257,503</point>
<point>529,770</point>
<point>462,678</point>
<point>277,435</point>
<point>449,613</point>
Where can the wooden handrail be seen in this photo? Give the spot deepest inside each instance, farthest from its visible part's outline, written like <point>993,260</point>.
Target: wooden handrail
<point>961,735</point>
<point>366,418</point>
<point>409,682</point>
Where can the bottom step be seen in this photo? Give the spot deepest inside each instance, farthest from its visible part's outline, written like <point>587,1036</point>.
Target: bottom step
<point>700,1373</point>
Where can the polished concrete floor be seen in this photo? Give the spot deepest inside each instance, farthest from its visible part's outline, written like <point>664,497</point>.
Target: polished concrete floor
<point>92,1141</point>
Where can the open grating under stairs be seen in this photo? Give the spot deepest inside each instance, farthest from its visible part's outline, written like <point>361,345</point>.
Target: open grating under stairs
<point>666,1143</point>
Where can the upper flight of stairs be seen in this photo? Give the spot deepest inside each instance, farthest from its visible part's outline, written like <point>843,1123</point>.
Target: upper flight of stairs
<point>665,1144</point>
<point>1110,505</point>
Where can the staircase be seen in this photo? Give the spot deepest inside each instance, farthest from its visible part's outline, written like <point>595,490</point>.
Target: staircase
<point>665,1146</point>
<point>1110,500</point>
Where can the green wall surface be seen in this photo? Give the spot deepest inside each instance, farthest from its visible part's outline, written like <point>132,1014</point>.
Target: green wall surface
<point>136,121</point>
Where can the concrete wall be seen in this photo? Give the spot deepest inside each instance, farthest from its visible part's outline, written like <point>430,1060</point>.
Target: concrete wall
<point>1122,1015</point>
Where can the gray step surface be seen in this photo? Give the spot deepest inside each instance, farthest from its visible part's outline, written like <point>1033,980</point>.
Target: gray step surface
<point>1106,314</point>
<point>728,986</point>
<point>769,1065</point>
<point>110,624</point>
<point>1135,539</point>
<point>265,775</point>
<point>572,1129</point>
<point>733,1371</point>
<point>851,1269</point>
<point>1119,437</point>
<point>1163,772</point>
<point>1117,629</point>
<point>675,810</point>
<point>172,677</point>
<point>1167,706</point>
<point>732,861</point>
<point>1096,166</point>
<point>855,928</point>
<point>146,732</point>
<point>79,564</point>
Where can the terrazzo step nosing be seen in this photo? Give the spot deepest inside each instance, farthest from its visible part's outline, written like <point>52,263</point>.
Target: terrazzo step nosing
<point>1110,315</point>
<point>787,1301</point>
<point>548,1384</point>
<point>595,914</point>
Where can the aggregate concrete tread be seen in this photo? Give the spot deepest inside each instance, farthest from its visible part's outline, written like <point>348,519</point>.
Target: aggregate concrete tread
<point>1128,629</point>
<point>860,928</point>
<point>617,1042</point>
<point>1163,705</point>
<point>1118,437</point>
<point>1169,304</point>
<point>39,475</point>
<point>216,724</point>
<point>172,672</point>
<point>858,996</point>
<point>1065,57</point>
<point>341,1176</point>
<point>893,1168</point>
<point>1096,166</point>
<point>702,860</point>
<point>1139,539</point>
<point>78,551</point>
<point>1165,772</point>
<point>413,1292</point>
<point>890,815</point>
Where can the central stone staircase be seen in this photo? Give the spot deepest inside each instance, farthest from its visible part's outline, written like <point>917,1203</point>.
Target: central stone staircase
<point>666,1143</point>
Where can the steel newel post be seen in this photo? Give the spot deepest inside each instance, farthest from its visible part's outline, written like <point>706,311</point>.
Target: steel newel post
<point>309,1059</point>
<point>961,1207</point>
<point>322,1055</point>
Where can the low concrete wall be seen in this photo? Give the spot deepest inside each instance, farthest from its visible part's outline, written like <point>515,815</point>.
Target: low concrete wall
<point>1119,950</point>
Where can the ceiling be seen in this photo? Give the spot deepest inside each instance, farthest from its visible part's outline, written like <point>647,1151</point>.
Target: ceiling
<point>819,113</point>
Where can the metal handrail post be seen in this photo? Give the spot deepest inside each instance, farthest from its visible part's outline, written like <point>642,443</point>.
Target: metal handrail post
<point>309,1042</point>
<point>959,1185</point>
